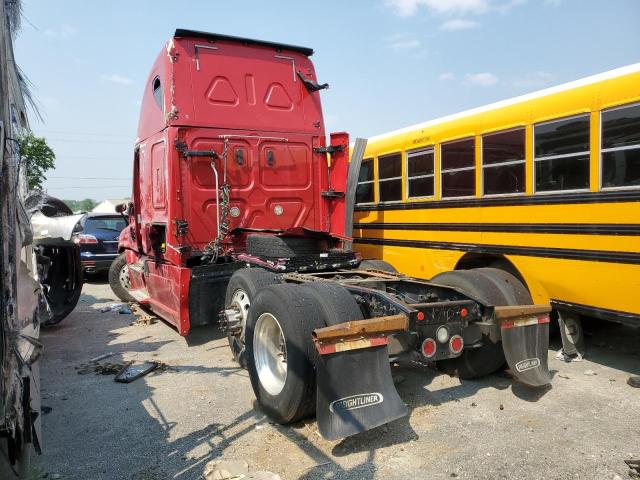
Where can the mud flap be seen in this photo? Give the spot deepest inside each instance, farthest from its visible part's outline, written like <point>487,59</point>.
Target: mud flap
<point>356,392</point>
<point>525,341</point>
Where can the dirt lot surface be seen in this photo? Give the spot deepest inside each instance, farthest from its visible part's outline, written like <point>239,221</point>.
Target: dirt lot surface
<point>172,423</point>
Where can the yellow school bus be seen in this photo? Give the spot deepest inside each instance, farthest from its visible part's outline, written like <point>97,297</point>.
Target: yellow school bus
<point>545,186</point>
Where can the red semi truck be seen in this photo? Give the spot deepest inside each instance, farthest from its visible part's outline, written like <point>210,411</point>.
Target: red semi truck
<point>239,218</point>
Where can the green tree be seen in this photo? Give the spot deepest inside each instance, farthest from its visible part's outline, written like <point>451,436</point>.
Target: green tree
<point>85,205</point>
<point>37,158</point>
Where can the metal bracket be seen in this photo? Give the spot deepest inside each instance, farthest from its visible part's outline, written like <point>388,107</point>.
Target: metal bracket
<point>181,146</point>
<point>208,47</point>
<point>332,194</point>
<point>293,63</point>
<point>310,85</point>
<point>331,149</point>
<point>182,226</point>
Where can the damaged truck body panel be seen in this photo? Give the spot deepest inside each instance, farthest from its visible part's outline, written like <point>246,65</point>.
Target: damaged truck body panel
<point>39,270</point>
<point>238,216</point>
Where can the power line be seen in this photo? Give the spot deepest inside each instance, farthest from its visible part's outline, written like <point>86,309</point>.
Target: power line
<point>90,178</point>
<point>67,140</point>
<point>82,157</point>
<point>91,187</point>
<point>62,132</point>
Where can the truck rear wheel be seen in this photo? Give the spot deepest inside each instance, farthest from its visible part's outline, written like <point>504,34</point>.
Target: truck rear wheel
<point>242,288</point>
<point>495,287</point>
<point>119,278</point>
<point>280,353</point>
<point>265,245</point>
<point>334,303</point>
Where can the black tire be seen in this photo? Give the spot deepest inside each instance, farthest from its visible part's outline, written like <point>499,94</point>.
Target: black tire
<point>63,297</point>
<point>265,245</point>
<point>334,302</point>
<point>251,281</point>
<point>295,312</point>
<point>492,286</point>
<point>114,279</point>
<point>378,265</point>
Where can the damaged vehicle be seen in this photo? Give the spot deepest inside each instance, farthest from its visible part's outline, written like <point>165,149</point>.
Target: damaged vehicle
<point>40,268</point>
<point>60,270</point>
<point>242,214</point>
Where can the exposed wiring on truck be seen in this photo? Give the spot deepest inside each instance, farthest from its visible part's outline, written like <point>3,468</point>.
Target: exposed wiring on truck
<point>214,249</point>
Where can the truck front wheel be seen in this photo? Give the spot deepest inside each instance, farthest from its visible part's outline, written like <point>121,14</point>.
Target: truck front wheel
<point>495,287</point>
<point>119,278</point>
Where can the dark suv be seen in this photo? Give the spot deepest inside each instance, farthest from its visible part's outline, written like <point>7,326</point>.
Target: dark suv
<point>97,235</point>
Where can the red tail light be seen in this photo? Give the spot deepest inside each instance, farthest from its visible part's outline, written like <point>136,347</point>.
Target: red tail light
<point>429,348</point>
<point>456,344</point>
<point>82,238</point>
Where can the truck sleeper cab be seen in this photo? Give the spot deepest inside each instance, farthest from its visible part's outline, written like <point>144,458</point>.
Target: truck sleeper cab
<point>238,216</point>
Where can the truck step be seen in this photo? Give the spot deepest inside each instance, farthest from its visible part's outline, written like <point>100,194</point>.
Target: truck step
<point>141,295</point>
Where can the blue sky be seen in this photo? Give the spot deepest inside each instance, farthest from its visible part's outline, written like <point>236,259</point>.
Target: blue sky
<point>390,63</point>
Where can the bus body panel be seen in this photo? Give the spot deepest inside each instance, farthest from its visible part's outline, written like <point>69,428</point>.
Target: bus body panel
<point>577,248</point>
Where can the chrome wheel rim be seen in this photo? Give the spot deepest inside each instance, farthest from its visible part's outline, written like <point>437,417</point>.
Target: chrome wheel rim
<point>240,300</point>
<point>123,277</point>
<point>270,353</point>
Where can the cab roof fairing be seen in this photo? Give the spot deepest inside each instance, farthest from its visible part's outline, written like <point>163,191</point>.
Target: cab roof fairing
<point>172,66</point>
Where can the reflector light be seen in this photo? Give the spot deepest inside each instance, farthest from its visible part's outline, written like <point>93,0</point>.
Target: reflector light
<point>429,347</point>
<point>83,238</point>
<point>455,344</point>
<point>464,312</point>
<point>420,316</point>
<point>442,334</point>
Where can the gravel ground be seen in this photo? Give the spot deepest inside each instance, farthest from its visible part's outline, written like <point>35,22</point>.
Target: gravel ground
<point>170,424</point>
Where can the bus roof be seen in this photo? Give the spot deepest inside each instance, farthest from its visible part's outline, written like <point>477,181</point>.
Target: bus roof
<point>618,72</point>
<point>181,32</point>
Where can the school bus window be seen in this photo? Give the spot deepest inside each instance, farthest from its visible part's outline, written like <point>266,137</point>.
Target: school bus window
<point>364,190</point>
<point>457,165</point>
<point>620,147</point>
<point>503,163</point>
<point>390,177</point>
<point>561,155</point>
<point>420,173</point>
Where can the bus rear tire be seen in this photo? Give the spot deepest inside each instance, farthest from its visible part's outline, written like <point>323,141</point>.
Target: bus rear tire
<point>280,352</point>
<point>496,287</point>
<point>374,264</point>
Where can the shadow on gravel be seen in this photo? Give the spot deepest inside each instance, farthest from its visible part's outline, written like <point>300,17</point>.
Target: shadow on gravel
<point>612,345</point>
<point>204,334</point>
<point>106,430</point>
<point>100,278</point>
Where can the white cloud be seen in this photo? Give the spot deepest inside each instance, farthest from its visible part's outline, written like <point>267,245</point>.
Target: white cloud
<point>484,79</point>
<point>458,24</point>
<point>408,8</point>
<point>404,44</point>
<point>115,78</point>
<point>447,76</point>
<point>63,31</point>
<point>534,80</point>
<point>403,41</point>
